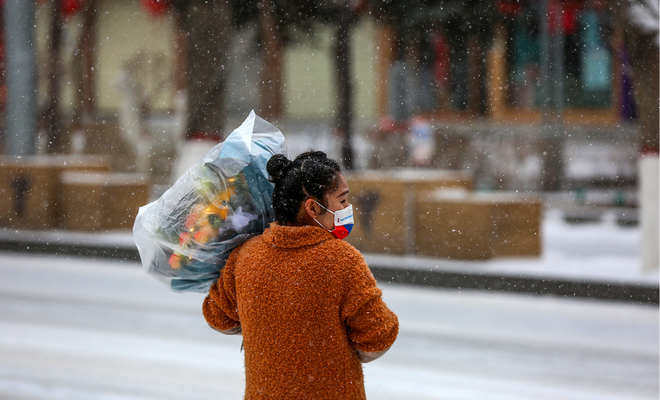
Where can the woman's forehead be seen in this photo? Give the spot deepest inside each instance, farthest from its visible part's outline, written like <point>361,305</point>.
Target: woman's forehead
<point>342,185</point>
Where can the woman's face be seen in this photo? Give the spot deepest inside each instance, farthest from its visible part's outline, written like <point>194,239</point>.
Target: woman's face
<point>337,200</point>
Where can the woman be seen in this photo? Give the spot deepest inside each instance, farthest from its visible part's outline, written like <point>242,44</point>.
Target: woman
<point>306,303</point>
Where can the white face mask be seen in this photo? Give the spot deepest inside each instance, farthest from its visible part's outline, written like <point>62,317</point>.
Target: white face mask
<point>343,221</point>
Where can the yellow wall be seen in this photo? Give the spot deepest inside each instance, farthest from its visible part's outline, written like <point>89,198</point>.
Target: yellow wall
<point>125,29</point>
<point>309,74</point>
<point>363,56</point>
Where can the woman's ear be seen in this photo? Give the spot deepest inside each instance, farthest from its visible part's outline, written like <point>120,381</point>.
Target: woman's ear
<point>311,208</point>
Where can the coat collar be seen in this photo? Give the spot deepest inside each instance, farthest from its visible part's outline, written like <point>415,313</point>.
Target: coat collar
<point>295,236</point>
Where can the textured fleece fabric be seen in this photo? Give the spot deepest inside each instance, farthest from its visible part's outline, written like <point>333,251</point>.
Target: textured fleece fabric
<point>305,303</point>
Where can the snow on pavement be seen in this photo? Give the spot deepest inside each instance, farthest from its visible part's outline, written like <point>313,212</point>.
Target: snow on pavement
<point>83,329</point>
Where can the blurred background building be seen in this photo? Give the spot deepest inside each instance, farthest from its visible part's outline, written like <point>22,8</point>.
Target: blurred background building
<point>484,73</point>
<point>558,96</point>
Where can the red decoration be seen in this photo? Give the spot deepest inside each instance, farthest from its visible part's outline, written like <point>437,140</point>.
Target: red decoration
<point>509,7</point>
<point>441,65</point>
<point>571,14</point>
<point>156,8</point>
<point>564,16</point>
<point>71,7</point>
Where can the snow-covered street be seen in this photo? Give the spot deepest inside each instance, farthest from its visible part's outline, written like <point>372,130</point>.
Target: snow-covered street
<point>74,328</point>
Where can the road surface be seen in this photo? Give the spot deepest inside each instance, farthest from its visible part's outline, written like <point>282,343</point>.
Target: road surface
<point>74,328</point>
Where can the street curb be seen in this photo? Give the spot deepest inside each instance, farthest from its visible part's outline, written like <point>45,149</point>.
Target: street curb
<point>624,292</point>
<point>113,252</point>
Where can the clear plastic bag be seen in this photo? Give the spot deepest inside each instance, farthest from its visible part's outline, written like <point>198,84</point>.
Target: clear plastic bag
<point>185,237</point>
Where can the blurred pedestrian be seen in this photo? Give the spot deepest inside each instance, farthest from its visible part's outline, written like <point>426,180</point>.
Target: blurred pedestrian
<point>306,303</point>
<point>421,141</point>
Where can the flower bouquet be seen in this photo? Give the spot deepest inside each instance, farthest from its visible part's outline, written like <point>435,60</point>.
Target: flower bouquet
<point>185,237</point>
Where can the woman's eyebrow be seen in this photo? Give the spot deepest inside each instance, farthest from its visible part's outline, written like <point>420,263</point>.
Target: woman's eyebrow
<point>343,194</point>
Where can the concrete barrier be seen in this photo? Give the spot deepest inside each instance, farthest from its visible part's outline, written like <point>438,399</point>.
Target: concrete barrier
<point>101,202</point>
<point>384,203</point>
<point>29,188</point>
<point>463,225</point>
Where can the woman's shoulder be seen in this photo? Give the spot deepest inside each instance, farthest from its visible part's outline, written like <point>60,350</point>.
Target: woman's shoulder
<point>343,246</point>
<point>349,263</point>
<point>340,249</point>
<point>249,246</point>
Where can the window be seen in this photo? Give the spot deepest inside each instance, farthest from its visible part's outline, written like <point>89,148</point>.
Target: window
<point>583,62</point>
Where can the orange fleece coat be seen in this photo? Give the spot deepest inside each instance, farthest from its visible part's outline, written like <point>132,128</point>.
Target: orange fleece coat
<point>308,308</point>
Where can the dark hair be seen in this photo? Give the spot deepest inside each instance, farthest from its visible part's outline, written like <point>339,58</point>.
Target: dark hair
<point>311,174</point>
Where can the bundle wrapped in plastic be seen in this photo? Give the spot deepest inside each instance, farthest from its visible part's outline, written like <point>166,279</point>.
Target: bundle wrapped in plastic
<point>185,237</point>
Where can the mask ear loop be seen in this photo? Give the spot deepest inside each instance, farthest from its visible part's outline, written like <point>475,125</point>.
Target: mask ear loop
<point>302,171</point>
<point>321,205</point>
<point>331,212</point>
<point>321,225</point>
<point>302,167</point>
<point>309,196</point>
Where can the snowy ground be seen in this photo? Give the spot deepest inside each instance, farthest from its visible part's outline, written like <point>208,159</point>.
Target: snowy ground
<point>84,329</point>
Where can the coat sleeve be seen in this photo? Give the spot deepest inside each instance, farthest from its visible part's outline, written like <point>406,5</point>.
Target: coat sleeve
<point>220,308</point>
<point>372,327</point>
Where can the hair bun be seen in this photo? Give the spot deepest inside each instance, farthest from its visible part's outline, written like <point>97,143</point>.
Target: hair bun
<point>277,165</point>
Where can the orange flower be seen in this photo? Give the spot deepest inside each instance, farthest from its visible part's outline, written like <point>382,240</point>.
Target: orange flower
<point>205,234</point>
<point>175,261</point>
<point>184,238</point>
<point>201,237</point>
<point>221,210</point>
<point>223,197</point>
<point>196,213</point>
